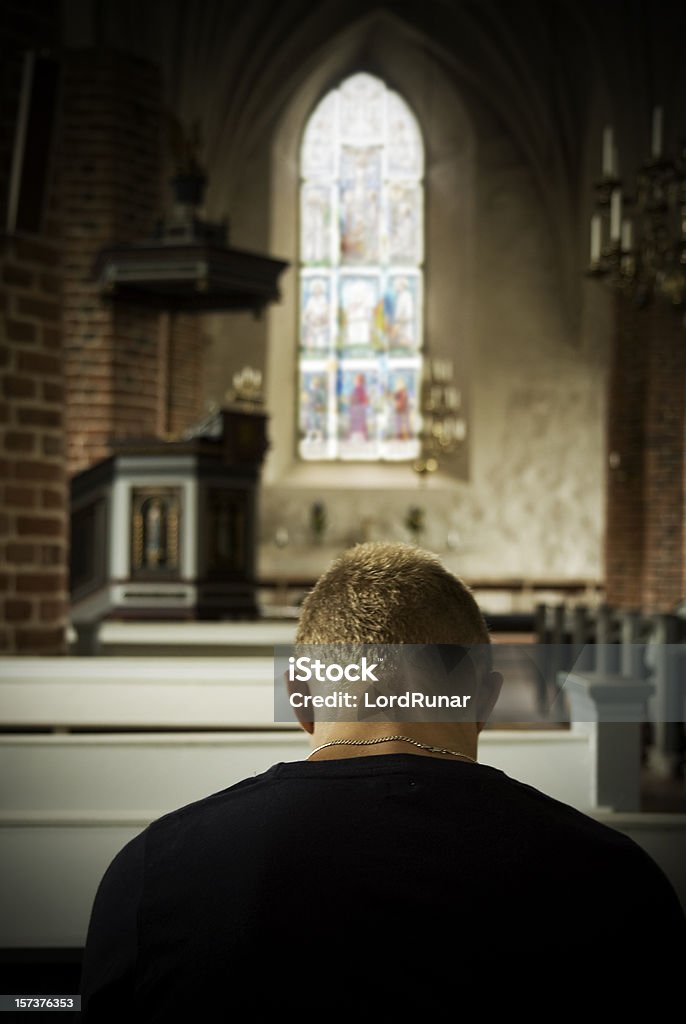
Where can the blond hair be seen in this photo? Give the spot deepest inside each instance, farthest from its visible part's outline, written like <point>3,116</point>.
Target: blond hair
<point>381,593</point>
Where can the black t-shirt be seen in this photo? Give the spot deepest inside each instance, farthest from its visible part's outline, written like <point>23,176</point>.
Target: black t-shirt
<point>388,883</point>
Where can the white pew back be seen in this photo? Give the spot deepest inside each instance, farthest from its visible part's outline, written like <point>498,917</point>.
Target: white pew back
<point>155,734</point>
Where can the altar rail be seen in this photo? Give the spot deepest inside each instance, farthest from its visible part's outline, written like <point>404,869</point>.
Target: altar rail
<point>283,592</point>
<point>230,639</point>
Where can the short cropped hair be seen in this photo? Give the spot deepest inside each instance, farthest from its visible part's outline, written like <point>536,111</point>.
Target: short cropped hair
<point>381,593</point>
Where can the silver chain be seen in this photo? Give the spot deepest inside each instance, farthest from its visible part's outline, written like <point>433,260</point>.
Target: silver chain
<point>390,739</point>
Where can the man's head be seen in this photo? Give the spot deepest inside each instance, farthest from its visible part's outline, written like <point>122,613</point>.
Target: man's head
<point>390,594</point>
<point>397,594</point>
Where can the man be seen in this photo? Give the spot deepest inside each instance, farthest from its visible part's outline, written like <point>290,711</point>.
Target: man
<point>387,874</point>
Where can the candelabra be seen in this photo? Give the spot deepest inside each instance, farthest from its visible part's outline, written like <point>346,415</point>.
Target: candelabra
<point>638,241</point>
<point>247,387</point>
<point>443,427</point>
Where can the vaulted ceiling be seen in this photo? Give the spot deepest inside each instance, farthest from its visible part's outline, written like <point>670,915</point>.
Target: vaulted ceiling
<point>551,71</point>
<point>539,63</point>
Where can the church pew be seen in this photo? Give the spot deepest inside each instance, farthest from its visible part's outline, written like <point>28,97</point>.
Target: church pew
<point>124,740</point>
<point>637,645</point>
<point>71,801</point>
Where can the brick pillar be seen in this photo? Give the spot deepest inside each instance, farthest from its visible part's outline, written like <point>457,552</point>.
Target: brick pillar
<point>645,532</point>
<point>33,484</point>
<point>624,530</point>
<point>109,191</point>
<point>663,553</point>
<point>34,493</point>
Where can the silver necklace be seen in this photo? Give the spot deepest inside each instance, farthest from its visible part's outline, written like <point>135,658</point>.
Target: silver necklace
<point>390,739</point>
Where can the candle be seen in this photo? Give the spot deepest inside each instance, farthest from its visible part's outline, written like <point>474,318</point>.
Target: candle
<point>595,238</point>
<point>657,133</point>
<point>608,153</point>
<point>451,397</point>
<point>616,215</point>
<point>627,235</point>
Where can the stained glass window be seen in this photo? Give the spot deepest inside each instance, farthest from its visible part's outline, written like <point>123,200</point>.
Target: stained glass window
<point>361,256</point>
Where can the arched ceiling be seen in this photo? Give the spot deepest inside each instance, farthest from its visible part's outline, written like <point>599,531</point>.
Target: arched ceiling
<point>552,71</point>
<point>537,62</point>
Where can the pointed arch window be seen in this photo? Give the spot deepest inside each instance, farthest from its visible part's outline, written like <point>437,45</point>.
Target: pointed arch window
<point>361,276</point>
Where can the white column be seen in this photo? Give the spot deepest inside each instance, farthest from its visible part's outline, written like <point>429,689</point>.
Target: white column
<point>610,710</point>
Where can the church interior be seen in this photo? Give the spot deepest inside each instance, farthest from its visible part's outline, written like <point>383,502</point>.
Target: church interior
<point>280,278</point>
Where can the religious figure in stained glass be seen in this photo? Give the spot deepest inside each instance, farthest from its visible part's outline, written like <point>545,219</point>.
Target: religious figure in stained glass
<point>361,245</point>
<point>401,308</point>
<point>404,221</point>
<point>316,225</point>
<point>314,407</point>
<point>401,406</point>
<point>360,205</point>
<point>316,308</point>
<point>358,403</point>
<point>358,406</point>
<point>359,299</point>
<point>401,411</point>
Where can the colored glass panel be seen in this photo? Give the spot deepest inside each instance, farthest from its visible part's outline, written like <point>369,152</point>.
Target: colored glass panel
<point>361,279</point>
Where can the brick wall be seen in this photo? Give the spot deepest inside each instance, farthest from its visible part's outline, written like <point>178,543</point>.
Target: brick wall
<point>109,191</point>
<point>77,372</point>
<point>186,347</point>
<point>33,483</point>
<point>624,519</point>
<point>34,489</point>
<point>644,547</point>
<point>663,460</point>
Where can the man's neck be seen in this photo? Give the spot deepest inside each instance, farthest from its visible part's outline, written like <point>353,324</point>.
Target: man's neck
<point>449,741</point>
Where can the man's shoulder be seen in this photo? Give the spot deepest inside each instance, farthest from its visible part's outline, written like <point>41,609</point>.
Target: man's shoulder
<point>554,813</point>
<point>188,816</point>
<point>558,824</point>
<point>219,803</point>
<point>598,866</point>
